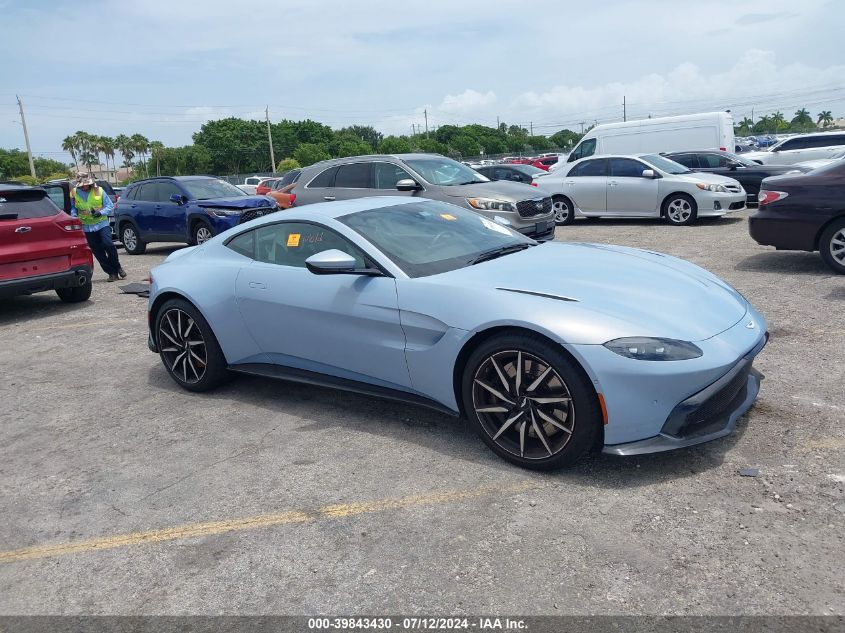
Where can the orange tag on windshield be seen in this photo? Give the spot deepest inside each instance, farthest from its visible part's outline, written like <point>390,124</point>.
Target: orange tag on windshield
<point>448,216</point>
<point>293,239</point>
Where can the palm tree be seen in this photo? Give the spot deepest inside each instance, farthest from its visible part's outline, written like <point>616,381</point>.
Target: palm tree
<point>107,147</point>
<point>69,145</point>
<point>825,118</point>
<point>156,149</point>
<point>124,145</point>
<point>778,120</point>
<point>84,142</point>
<point>763,125</point>
<point>141,145</point>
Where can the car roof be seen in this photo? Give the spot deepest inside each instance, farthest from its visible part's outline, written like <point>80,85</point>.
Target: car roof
<point>374,158</point>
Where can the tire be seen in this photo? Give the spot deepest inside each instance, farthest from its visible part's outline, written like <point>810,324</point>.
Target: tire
<point>563,211</point>
<point>179,327</point>
<point>832,246</point>
<point>504,419</point>
<point>680,209</point>
<point>75,294</point>
<point>132,242</point>
<point>201,233</point>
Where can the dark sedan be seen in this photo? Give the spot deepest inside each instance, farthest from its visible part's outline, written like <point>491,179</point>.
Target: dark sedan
<point>804,212</point>
<point>515,172</point>
<point>747,172</point>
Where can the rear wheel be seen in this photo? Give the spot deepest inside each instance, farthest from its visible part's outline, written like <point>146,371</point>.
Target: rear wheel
<point>131,240</point>
<point>75,294</point>
<point>201,233</point>
<point>832,246</point>
<point>680,209</point>
<point>188,348</point>
<point>562,209</point>
<point>522,395</point>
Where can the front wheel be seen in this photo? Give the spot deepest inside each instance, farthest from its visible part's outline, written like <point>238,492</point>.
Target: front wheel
<point>832,246</point>
<point>202,233</point>
<point>131,240</point>
<point>562,209</point>
<point>680,209</point>
<point>529,402</point>
<point>188,348</point>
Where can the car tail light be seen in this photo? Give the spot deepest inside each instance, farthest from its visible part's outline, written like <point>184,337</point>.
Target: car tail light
<point>767,197</point>
<point>71,225</point>
<point>292,198</point>
<point>534,184</point>
<point>724,149</point>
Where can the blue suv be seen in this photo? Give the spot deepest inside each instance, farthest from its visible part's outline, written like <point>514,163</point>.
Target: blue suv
<point>189,209</point>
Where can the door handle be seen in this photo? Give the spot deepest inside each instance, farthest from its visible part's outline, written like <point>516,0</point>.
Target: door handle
<point>258,284</point>
<point>612,183</point>
<point>328,198</point>
<point>23,229</point>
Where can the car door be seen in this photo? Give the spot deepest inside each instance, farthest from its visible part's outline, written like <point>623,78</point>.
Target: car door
<point>385,177</point>
<point>142,208</point>
<point>792,151</point>
<point>628,192</point>
<point>342,325</point>
<point>319,188</point>
<point>586,186</point>
<point>170,217</point>
<point>353,180</point>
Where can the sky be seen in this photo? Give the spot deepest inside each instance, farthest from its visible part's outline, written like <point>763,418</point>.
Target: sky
<point>163,67</point>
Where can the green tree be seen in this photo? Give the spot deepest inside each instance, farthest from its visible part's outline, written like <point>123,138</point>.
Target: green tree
<point>141,145</point>
<point>764,125</point>
<point>310,153</point>
<point>286,164</point>
<point>565,138</point>
<point>395,145</point>
<point>124,145</point>
<point>364,133</point>
<point>69,145</point>
<point>238,146</point>
<point>825,118</point>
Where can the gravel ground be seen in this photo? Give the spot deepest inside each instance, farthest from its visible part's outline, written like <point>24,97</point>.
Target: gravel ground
<point>122,494</point>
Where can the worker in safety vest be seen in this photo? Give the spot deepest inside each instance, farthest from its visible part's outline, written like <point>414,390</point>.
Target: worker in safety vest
<point>92,205</point>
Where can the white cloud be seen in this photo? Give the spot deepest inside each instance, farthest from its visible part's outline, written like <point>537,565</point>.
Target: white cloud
<point>468,101</point>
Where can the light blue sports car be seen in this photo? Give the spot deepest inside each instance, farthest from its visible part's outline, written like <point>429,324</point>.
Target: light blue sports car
<point>550,350</point>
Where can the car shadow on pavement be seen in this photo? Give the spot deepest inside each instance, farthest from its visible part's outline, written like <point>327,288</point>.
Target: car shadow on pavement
<point>29,308</point>
<point>785,262</point>
<point>584,222</point>
<point>321,408</point>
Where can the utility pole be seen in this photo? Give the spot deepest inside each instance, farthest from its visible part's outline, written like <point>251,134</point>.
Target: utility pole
<point>425,112</point>
<point>270,138</point>
<point>531,125</point>
<point>497,122</point>
<point>624,109</point>
<point>26,138</point>
<point>582,128</point>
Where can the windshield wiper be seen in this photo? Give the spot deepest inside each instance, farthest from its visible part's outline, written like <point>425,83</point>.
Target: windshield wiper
<point>498,252</point>
<point>470,182</point>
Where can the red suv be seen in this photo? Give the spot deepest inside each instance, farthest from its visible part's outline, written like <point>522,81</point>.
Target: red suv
<point>41,247</point>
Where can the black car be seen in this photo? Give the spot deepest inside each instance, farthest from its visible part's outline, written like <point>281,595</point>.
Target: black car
<point>804,212</point>
<point>517,173</point>
<point>747,172</point>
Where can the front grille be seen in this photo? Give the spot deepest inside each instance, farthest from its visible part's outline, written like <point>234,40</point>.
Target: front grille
<point>251,214</point>
<point>535,206</point>
<point>694,418</point>
<point>733,188</point>
<point>736,205</point>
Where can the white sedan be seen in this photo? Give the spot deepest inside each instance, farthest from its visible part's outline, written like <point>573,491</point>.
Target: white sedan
<point>638,186</point>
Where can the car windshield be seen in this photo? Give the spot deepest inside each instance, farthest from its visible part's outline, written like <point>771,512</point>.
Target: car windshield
<point>427,238</point>
<point>445,171</point>
<point>210,188</point>
<point>665,165</point>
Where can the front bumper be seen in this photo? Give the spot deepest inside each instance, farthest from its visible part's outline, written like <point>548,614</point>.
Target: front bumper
<point>76,276</point>
<point>713,203</point>
<point>542,231</point>
<point>707,415</point>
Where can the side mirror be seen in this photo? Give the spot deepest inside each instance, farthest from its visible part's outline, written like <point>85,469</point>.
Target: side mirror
<point>649,173</point>
<point>177,198</point>
<point>408,184</point>
<point>733,166</point>
<point>335,262</point>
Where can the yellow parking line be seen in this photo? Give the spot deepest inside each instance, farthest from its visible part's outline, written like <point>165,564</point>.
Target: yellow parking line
<point>73,326</point>
<point>261,521</point>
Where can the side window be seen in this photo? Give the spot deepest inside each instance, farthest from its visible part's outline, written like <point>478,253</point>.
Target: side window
<point>323,179</point>
<point>243,244</point>
<point>713,161</point>
<point>590,168</point>
<point>387,175</point>
<point>501,174</point>
<point>794,143</point>
<point>586,148</point>
<point>288,178</point>
<point>625,168</point>
<point>56,194</point>
<point>354,176</point>
<point>146,191</point>
<point>291,243</point>
<point>687,160</point>
<point>166,189</point>
<point>828,140</point>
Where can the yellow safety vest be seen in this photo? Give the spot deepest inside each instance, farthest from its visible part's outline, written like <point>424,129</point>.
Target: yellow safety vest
<point>84,207</point>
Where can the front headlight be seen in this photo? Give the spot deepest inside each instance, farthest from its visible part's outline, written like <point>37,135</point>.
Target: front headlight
<point>223,213</point>
<point>489,204</point>
<point>711,187</point>
<point>647,348</point>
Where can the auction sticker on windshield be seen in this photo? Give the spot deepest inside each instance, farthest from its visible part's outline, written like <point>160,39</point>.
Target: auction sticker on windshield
<point>293,239</point>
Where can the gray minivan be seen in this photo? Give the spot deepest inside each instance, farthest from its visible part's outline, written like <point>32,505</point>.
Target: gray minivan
<point>520,206</point>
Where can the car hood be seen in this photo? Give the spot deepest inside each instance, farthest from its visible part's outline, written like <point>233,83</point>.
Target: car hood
<point>779,170</point>
<point>653,294</point>
<point>698,176</point>
<point>497,189</point>
<point>761,155</point>
<point>246,202</point>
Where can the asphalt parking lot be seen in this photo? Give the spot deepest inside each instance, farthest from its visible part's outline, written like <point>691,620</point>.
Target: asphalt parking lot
<point>122,494</point>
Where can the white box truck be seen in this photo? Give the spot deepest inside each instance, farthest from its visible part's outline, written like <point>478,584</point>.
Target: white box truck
<point>710,130</point>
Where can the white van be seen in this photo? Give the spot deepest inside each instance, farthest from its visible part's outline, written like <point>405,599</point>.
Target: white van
<point>710,130</point>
